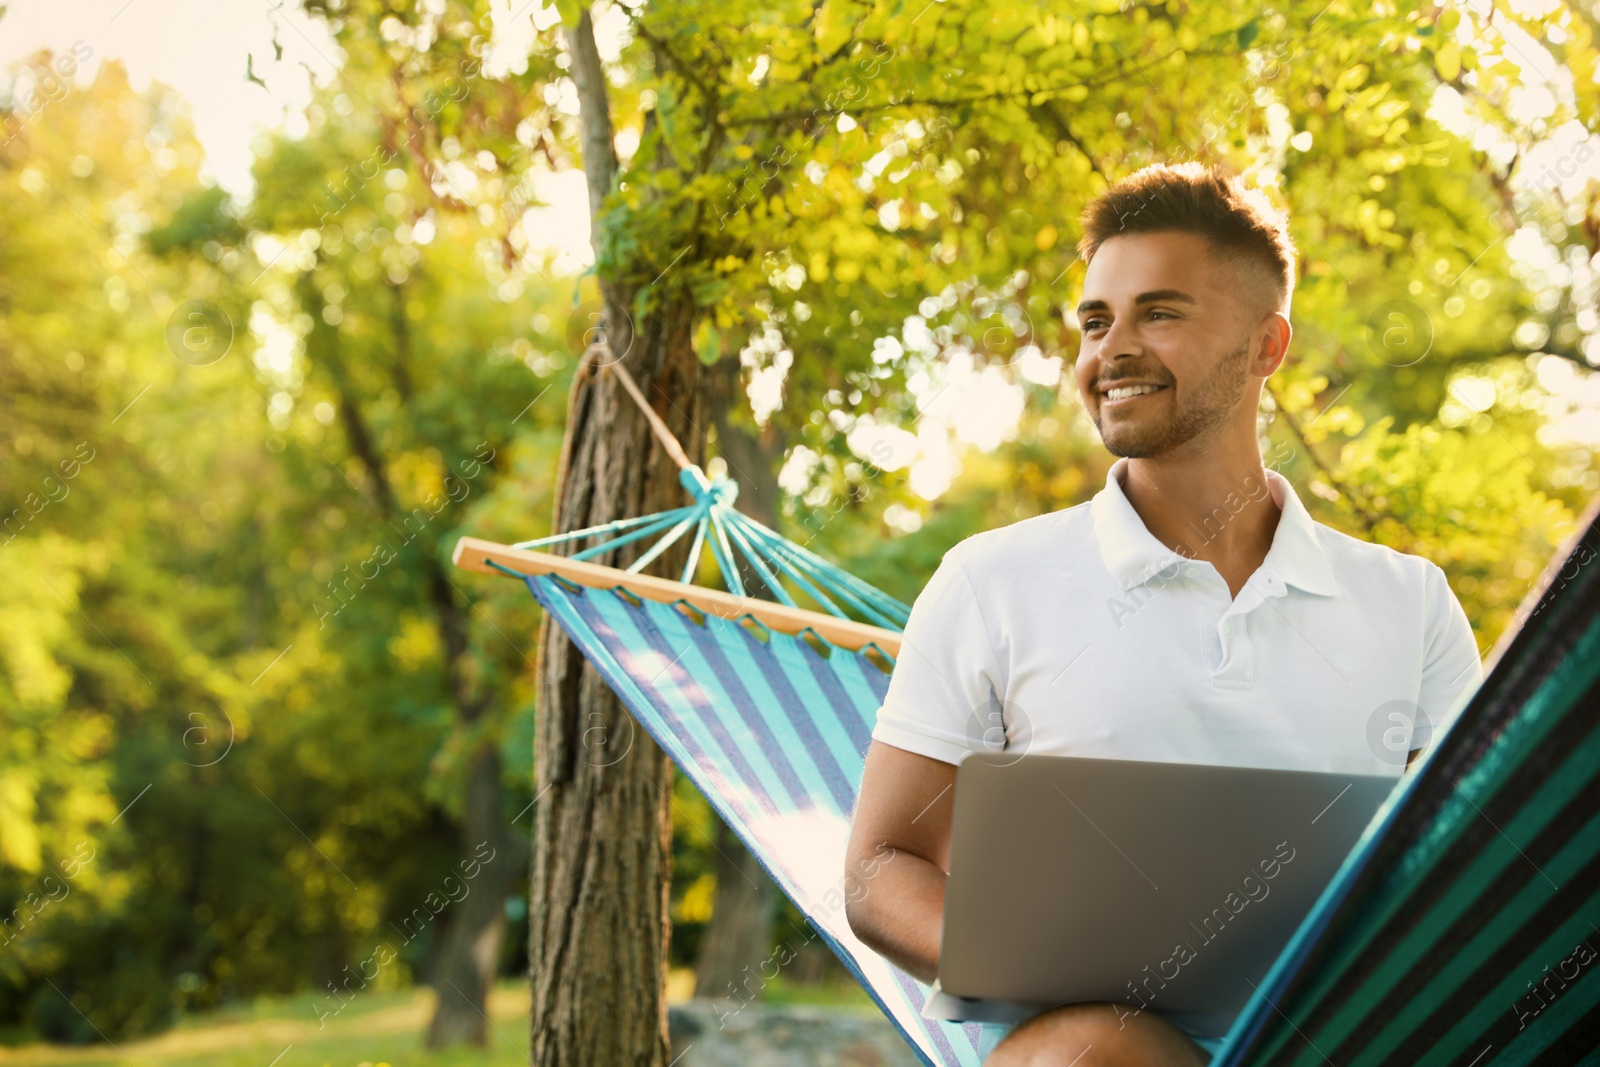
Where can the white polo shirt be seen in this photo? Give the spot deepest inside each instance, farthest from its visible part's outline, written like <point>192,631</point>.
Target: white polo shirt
<point>1079,633</point>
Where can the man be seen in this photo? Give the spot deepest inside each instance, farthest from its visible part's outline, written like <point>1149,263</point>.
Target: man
<point>1191,612</point>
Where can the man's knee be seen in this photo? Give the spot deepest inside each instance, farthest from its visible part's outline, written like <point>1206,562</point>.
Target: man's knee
<point>1096,1035</point>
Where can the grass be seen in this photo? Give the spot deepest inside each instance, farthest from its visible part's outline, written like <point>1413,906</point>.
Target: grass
<point>838,992</point>
<point>844,996</point>
<point>373,1030</point>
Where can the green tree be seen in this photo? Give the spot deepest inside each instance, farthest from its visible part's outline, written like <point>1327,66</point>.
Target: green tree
<point>233,761</point>
<point>127,631</point>
<point>409,348</point>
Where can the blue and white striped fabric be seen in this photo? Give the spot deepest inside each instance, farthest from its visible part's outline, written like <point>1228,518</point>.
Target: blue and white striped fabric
<point>774,734</point>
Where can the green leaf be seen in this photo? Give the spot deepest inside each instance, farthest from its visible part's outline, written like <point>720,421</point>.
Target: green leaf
<point>1248,32</point>
<point>1448,60</point>
<point>707,342</point>
<point>671,130</point>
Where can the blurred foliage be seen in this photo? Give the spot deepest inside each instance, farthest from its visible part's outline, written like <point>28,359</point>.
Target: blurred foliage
<point>229,704</point>
<point>214,681</point>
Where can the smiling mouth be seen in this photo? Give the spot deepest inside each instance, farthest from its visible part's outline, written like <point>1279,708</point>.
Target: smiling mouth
<point>1120,393</point>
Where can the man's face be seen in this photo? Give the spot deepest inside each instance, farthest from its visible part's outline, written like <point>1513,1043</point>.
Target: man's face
<point>1166,354</point>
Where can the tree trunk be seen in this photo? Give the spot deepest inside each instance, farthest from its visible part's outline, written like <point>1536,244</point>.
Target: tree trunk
<point>464,970</point>
<point>470,934</point>
<point>747,898</point>
<point>735,943</point>
<point>598,923</point>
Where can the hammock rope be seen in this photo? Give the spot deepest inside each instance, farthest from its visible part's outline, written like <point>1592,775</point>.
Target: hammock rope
<point>730,534</point>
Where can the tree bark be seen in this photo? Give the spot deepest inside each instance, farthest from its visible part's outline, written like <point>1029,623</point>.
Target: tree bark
<point>598,920</point>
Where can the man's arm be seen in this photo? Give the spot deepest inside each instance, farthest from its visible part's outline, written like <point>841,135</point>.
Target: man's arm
<point>1451,671</point>
<point>898,857</point>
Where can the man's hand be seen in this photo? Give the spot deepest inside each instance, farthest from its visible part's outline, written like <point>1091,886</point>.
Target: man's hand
<point>899,857</point>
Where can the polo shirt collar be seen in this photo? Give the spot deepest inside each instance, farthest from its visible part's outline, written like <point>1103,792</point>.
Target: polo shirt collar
<point>1133,555</point>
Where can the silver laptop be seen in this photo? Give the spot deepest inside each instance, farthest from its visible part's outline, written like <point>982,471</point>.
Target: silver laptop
<point>1167,887</point>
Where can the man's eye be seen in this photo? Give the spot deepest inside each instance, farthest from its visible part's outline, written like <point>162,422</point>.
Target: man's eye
<point>1094,324</point>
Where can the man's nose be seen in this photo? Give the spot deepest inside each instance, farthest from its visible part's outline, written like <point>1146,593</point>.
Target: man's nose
<point>1119,342</point>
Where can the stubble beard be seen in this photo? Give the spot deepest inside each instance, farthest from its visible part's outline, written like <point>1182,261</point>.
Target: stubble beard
<point>1210,407</point>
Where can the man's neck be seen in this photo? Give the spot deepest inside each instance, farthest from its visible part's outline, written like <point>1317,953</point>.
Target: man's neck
<point>1216,507</point>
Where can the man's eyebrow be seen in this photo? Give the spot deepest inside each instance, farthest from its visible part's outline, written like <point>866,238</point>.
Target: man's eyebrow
<point>1154,296</point>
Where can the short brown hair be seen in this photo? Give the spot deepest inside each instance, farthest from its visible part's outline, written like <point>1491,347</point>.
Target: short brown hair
<point>1239,221</point>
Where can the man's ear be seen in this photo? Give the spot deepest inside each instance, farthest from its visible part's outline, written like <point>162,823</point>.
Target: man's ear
<point>1272,347</point>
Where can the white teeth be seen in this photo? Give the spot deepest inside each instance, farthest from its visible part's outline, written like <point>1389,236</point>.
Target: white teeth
<point>1123,392</point>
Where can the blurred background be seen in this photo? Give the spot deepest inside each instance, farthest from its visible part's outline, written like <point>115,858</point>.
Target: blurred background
<point>291,296</point>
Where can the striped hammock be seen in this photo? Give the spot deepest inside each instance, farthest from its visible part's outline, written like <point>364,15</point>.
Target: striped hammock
<point>1460,930</point>
<point>768,708</point>
<point>1464,927</point>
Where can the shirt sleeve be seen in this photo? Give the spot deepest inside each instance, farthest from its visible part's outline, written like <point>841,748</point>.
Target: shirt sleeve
<point>944,696</point>
<point>1451,668</point>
